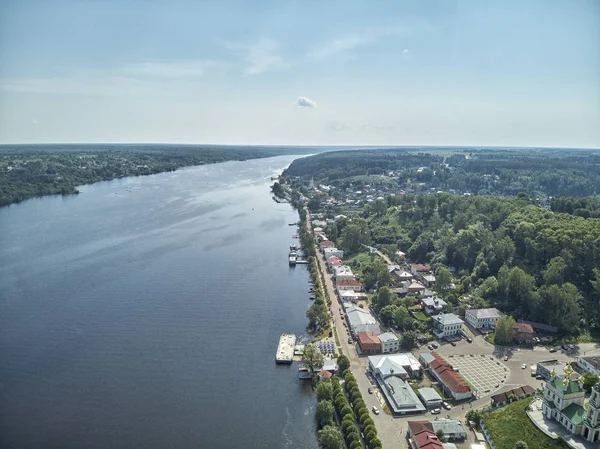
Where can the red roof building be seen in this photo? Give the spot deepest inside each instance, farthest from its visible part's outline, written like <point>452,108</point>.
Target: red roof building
<point>349,284</point>
<point>369,342</point>
<point>422,436</point>
<point>453,383</point>
<point>326,244</point>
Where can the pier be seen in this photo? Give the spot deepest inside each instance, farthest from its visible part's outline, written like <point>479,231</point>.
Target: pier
<point>285,348</point>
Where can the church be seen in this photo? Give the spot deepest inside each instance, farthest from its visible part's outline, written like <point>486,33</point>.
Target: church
<point>564,402</point>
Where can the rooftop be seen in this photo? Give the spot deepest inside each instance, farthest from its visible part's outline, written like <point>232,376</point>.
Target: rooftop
<point>484,313</point>
<point>520,391</point>
<point>348,283</point>
<point>523,327</point>
<point>541,326</point>
<point>367,338</point>
<point>448,426</point>
<point>420,267</point>
<point>571,387</point>
<point>433,302</point>
<point>384,364</point>
<point>593,360</point>
<point>326,243</point>
<point>447,319</point>
<point>388,336</point>
<point>429,394</point>
<point>447,374</point>
<point>400,396</point>
<point>575,413</point>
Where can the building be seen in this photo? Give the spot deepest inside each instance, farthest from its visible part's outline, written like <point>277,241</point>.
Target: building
<point>433,305</point>
<point>541,326</point>
<point>545,368</point>
<point>452,428</point>
<point>360,320</point>
<point>482,318</point>
<point>564,402</point>
<point>343,272</point>
<point>415,287</point>
<point>523,332</point>
<point>402,275</point>
<point>589,364</point>
<point>348,284</point>
<point>326,244</point>
<point>446,324</point>
<point>333,251</point>
<point>418,269</point>
<point>389,343</point>
<point>334,261</point>
<point>429,280</point>
<point>504,398</point>
<point>430,397</point>
<point>422,436</point>
<point>452,383</point>
<point>351,296</point>
<point>389,373</point>
<point>368,342</point>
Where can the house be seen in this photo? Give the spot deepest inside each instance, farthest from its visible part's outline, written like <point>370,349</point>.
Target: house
<point>446,324</point>
<point>453,384</point>
<point>389,343</point>
<point>563,402</point>
<point>415,287</point>
<point>334,261</point>
<point>326,244</point>
<point>348,284</point>
<point>368,342</point>
<point>343,272</point>
<point>422,436</point>
<point>430,397</point>
<point>453,430</point>
<point>402,275</point>
<point>541,326</point>
<point>329,251</point>
<point>589,364</point>
<point>504,398</point>
<point>429,280</point>
<point>546,368</point>
<point>418,269</point>
<point>432,305</point>
<point>392,268</point>
<point>482,318</point>
<point>360,320</point>
<point>389,373</point>
<point>523,332</point>
<point>351,296</point>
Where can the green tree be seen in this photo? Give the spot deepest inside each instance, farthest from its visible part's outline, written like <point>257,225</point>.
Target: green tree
<point>388,314</point>
<point>403,319</point>
<point>443,280</point>
<point>520,445</point>
<point>441,436</point>
<point>325,414</point>
<point>329,438</point>
<point>408,339</point>
<point>384,297</point>
<point>504,332</point>
<point>474,416</point>
<point>555,271</point>
<point>324,391</point>
<point>589,380</point>
<point>343,363</point>
<point>312,358</point>
<point>355,235</point>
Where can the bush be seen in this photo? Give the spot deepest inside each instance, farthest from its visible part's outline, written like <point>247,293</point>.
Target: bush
<point>363,417</point>
<point>369,422</point>
<point>374,443</point>
<point>358,403</point>
<point>343,363</point>
<point>369,428</point>
<point>355,445</point>
<point>325,414</point>
<point>347,411</point>
<point>370,436</point>
<point>350,385</point>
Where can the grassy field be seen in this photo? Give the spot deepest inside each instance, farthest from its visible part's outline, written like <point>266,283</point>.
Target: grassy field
<point>421,316</point>
<point>510,424</point>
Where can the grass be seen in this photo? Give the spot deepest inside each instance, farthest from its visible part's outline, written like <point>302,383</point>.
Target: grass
<point>490,338</point>
<point>421,316</point>
<point>386,409</point>
<point>510,424</point>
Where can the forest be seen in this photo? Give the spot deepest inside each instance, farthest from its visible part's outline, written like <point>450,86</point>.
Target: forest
<point>545,172</point>
<point>28,171</point>
<point>507,253</point>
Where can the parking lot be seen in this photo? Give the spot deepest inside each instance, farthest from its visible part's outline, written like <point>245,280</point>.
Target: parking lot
<point>486,373</point>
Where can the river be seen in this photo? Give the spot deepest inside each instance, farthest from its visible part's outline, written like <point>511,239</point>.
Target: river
<point>145,312</point>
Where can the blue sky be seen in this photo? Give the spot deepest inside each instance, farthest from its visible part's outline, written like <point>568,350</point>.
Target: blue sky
<point>448,72</point>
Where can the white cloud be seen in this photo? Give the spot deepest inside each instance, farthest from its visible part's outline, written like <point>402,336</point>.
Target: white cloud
<point>305,102</point>
<point>405,51</point>
<point>259,57</point>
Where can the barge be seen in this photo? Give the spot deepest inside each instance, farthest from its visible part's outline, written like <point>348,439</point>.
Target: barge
<point>285,348</point>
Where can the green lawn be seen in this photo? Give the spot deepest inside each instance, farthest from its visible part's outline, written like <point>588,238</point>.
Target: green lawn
<point>510,424</point>
<point>421,316</point>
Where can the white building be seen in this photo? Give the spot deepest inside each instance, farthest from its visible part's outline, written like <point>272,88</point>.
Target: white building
<point>343,272</point>
<point>360,320</point>
<point>482,318</point>
<point>333,251</point>
<point>589,364</point>
<point>348,284</point>
<point>389,343</point>
<point>446,324</point>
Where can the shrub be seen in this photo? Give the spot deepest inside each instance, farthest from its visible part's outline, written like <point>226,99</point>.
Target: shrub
<point>369,428</point>
<point>347,411</point>
<point>363,417</point>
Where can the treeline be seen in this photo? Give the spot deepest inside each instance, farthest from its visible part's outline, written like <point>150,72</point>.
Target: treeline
<point>504,252</point>
<point>501,172</point>
<point>28,171</point>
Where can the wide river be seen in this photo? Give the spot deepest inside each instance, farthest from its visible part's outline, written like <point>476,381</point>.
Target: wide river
<point>145,312</point>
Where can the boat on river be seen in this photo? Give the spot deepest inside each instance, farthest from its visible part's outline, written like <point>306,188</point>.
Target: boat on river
<point>285,348</point>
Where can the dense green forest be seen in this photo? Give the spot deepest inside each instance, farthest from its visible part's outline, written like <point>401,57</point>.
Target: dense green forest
<point>27,171</point>
<point>549,172</point>
<point>504,252</point>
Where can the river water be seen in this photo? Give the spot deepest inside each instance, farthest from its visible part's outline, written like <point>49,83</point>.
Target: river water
<point>145,312</point>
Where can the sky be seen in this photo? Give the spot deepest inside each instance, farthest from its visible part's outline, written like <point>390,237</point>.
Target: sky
<point>284,72</point>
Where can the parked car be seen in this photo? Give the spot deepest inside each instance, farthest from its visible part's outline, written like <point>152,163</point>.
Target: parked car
<point>571,347</point>
<point>370,390</point>
<point>469,340</point>
<point>375,410</point>
<point>435,346</point>
<point>436,411</point>
<point>452,343</point>
<point>446,405</point>
<point>430,347</point>
<point>505,358</point>
<point>552,349</point>
<point>524,366</point>
<point>565,347</point>
<point>349,340</point>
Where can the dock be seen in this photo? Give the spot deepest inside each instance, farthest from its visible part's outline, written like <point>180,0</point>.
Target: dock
<point>285,348</point>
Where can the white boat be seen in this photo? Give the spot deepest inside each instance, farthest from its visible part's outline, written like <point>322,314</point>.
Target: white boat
<point>285,348</point>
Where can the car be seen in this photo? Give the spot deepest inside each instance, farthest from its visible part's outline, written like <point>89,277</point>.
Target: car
<point>452,343</point>
<point>430,347</point>
<point>539,377</point>
<point>524,366</point>
<point>571,347</point>
<point>370,390</point>
<point>349,340</point>
<point>436,411</point>
<point>435,346</point>
<point>565,347</point>
<point>505,358</point>
<point>446,405</point>
<point>375,410</point>
<point>469,340</point>
<point>552,349</point>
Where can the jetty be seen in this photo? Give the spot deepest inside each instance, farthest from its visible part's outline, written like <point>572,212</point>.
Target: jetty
<point>285,348</point>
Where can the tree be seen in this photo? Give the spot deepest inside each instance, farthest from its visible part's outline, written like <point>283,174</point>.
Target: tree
<point>504,332</point>
<point>355,235</point>
<point>589,380</point>
<point>474,416</point>
<point>403,319</point>
<point>443,280</point>
<point>555,271</point>
<point>384,296</point>
<point>520,445</point>
<point>408,339</point>
<point>387,314</point>
<point>330,438</point>
<point>440,435</point>
<point>324,391</point>
<point>343,363</point>
<point>312,358</point>
<point>325,414</point>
